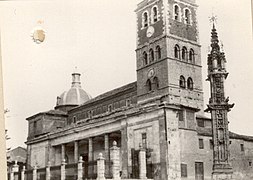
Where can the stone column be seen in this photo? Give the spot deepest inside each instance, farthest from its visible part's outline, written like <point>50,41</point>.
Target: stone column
<point>124,153</point>
<point>23,173</point>
<point>48,173</point>
<point>12,174</point>
<point>142,163</point>
<point>115,160</point>
<point>63,152</point>
<point>76,151</point>
<point>80,169</point>
<point>63,171</point>
<point>35,173</point>
<point>107,155</point>
<point>90,158</point>
<point>100,167</point>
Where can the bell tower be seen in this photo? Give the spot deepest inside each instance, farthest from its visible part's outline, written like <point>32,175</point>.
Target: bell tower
<point>219,107</point>
<point>168,56</point>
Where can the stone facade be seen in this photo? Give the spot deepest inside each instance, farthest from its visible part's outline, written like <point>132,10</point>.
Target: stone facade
<point>157,121</point>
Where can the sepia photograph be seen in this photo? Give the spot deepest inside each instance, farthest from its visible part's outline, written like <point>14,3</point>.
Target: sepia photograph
<point>127,89</point>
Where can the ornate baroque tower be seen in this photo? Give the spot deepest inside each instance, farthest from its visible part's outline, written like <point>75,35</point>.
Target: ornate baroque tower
<point>219,107</point>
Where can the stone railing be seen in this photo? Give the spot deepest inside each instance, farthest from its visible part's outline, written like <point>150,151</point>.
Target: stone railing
<point>76,171</point>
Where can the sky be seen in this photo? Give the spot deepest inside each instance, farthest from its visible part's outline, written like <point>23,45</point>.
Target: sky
<point>99,38</point>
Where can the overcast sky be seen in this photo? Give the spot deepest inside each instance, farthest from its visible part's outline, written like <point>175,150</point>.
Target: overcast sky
<point>99,37</point>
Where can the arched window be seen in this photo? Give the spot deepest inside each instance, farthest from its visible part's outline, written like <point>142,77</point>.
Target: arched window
<point>187,16</point>
<point>110,108</point>
<point>184,53</point>
<point>145,19</point>
<point>149,85</point>
<point>190,83</point>
<point>154,13</point>
<point>176,13</point>
<point>182,82</point>
<point>145,58</point>
<point>177,52</point>
<point>156,82</point>
<point>191,56</point>
<point>158,52</point>
<point>151,55</point>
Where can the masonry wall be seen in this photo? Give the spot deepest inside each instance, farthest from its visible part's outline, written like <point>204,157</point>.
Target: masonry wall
<point>191,153</point>
<point>38,154</point>
<point>148,123</point>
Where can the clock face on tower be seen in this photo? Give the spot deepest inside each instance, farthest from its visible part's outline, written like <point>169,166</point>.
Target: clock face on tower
<point>151,73</point>
<point>150,31</point>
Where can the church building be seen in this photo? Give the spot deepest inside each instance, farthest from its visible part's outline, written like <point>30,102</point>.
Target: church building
<point>161,112</point>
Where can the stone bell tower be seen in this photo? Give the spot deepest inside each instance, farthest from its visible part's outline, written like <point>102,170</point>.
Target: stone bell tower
<point>168,55</point>
<point>219,107</point>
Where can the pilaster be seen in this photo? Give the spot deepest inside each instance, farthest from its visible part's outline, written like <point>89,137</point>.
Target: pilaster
<point>107,155</point>
<point>90,158</point>
<point>76,144</point>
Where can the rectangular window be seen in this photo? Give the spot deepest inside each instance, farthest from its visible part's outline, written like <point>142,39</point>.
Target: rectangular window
<point>242,147</point>
<point>201,123</point>
<point>199,171</point>
<point>201,144</point>
<point>180,115</point>
<point>183,170</point>
<point>34,126</point>
<point>144,140</point>
<point>211,144</point>
<point>250,163</point>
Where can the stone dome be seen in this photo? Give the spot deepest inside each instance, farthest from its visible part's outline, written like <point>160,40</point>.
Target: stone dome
<point>75,95</point>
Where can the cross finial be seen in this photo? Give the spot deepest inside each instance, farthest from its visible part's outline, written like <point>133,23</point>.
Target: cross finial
<point>213,19</point>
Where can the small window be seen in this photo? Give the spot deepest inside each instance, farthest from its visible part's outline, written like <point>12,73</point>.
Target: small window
<point>250,163</point>
<point>201,123</point>
<point>211,144</point>
<point>35,126</point>
<point>90,114</point>
<point>201,144</point>
<point>191,56</point>
<point>158,52</point>
<point>187,16</point>
<point>184,53</point>
<point>155,14</point>
<point>242,147</point>
<point>145,58</point>
<point>110,108</point>
<point>190,83</point>
<point>177,52</point>
<point>145,19</point>
<point>180,115</point>
<point>176,13</point>
<point>230,142</point>
<point>128,102</point>
<point>74,119</point>
<point>144,140</point>
<point>183,170</point>
<point>182,82</point>
<point>149,85</point>
<point>151,55</point>
<point>156,82</point>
